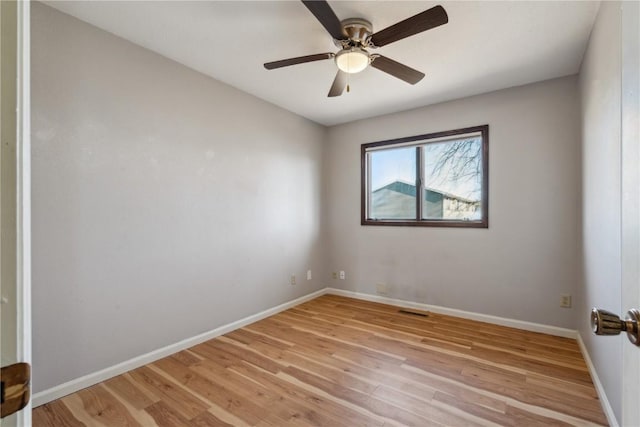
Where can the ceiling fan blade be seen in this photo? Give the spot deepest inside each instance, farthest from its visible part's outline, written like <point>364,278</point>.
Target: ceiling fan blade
<point>423,21</point>
<point>397,69</point>
<point>297,60</point>
<point>327,17</point>
<point>339,83</point>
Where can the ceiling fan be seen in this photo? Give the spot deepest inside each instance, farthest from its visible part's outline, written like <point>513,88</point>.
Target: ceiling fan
<point>354,36</point>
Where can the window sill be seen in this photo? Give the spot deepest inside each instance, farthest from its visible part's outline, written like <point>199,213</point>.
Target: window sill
<point>427,223</point>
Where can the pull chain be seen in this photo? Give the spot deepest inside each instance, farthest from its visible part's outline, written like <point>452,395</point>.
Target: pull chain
<point>349,73</point>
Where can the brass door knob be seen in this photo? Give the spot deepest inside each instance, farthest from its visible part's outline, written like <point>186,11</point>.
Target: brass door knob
<point>606,323</point>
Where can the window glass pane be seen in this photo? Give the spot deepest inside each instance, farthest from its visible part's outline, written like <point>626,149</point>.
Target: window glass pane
<point>393,189</point>
<point>453,180</point>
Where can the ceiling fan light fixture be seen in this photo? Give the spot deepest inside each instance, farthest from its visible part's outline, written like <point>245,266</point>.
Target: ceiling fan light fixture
<point>352,60</point>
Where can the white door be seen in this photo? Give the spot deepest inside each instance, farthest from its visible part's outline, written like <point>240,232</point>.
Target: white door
<point>15,250</point>
<point>630,203</point>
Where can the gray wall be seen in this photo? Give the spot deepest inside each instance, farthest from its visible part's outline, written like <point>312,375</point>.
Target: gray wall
<point>529,256</point>
<point>165,203</point>
<point>600,90</point>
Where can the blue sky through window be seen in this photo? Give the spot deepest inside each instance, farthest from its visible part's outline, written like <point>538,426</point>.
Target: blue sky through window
<point>399,164</point>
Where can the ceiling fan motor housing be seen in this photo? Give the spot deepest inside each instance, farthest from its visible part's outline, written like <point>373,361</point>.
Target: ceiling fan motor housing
<point>357,30</point>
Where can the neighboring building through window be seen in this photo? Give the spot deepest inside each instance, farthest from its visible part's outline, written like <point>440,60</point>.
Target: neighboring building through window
<point>448,169</point>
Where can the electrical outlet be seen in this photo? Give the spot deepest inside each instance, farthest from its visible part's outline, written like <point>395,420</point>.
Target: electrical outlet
<point>342,275</point>
<point>565,301</point>
<point>335,275</point>
<point>308,274</point>
<point>381,289</point>
<point>293,279</point>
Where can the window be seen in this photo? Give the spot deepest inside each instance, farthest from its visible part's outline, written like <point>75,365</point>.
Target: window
<point>438,180</point>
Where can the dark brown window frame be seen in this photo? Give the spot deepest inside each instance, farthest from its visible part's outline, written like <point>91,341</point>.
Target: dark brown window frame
<point>483,222</point>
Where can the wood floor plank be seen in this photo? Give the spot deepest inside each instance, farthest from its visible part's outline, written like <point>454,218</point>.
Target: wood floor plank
<point>543,380</point>
<point>140,415</point>
<point>247,337</point>
<point>515,399</point>
<point>523,418</point>
<point>104,408</point>
<point>420,406</point>
<point>187,358</point>
<point>213,391</point>
<point>369,402</point>
<point>292,391</point>
<point>128,390</point>
<point>55,413</point>
<point>498,417</point>
<point>181,401</point>
<point>207,419</point>
<point>249,356</point>
<point>164,416</point>
<point>375,375</point>
<point>337,376</point>
<point>340,362</point>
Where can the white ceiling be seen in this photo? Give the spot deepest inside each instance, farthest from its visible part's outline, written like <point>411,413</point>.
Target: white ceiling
<point>486,45</point>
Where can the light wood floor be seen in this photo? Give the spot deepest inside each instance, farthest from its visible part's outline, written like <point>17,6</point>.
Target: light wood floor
<point>337,361</point>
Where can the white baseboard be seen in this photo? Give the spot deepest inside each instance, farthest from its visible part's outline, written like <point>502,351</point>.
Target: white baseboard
<point>503,321</point>
<point>606,406</point>
<point>77,384</point>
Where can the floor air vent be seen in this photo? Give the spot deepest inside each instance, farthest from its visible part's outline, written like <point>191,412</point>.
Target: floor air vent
<point>413,312</point>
